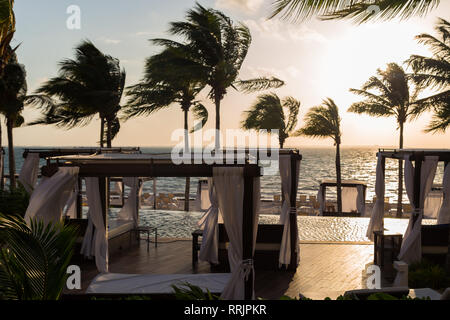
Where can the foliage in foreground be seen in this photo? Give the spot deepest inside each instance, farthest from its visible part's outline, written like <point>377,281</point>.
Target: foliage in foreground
<point>192,292</point>
<point>33,258</point>
<point>14,202</point>
<point>428,275</point>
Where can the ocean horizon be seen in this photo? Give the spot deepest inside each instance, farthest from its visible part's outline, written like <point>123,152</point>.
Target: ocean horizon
<point>318,164</point>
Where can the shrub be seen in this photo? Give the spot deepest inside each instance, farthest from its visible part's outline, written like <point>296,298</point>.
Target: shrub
<point>428,275</point>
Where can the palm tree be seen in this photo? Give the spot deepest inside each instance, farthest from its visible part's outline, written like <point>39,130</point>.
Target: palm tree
<point>388,95</point>
<point>7,30</point>
<point>358,10</point>
<point>215,48</point>
<point>434,73</point>
<point>324,122</point>
<point>13,90</point>
<point>91,84</point>
<point>33,258</point>
<point>267,113</point>
<point>163,85</point>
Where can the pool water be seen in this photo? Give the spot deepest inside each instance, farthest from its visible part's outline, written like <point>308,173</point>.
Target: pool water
<point>180,224</point>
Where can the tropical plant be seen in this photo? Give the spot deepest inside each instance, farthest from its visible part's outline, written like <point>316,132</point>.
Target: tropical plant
<point>187,291</point>
<point>215,49</point>
<point>164,84</point>
<point>91,84</point>
<point>324,122</point>
<point>7,30</point>
<point>426,274</point>
<point>15,201</point>
<point>13,96</point>
<point>358,10</point>
<point>388,95</point>
<point>434,73</point>
<point>33,258</point>
<point>267,113</point>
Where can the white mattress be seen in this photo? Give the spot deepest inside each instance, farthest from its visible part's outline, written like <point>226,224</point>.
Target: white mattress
<point>119,283</point>
<point>117,227</point>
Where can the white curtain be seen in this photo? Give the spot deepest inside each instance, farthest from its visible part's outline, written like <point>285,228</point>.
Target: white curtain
<point>410,251</point>
<point>444,211</point>
<point>433,204</point>
<point>321,200</point>
<point>29,172</point>
<point>286,210</point>
<point>376,220</point>
<point>202,200</point>
<point>130,209</point>
<point>95,242</point>
<point>229,184</point>
<point>50,196</point>
<point>71,206</point>
<point>361,200</point>
<point>349,199</point>
<point>209,221</point>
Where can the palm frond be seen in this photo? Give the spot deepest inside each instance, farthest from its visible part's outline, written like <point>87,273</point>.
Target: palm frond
<point>259,84</point>
<point>201,114</point>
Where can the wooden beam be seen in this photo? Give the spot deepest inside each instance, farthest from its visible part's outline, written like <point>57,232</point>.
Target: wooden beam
<point>293,215</point>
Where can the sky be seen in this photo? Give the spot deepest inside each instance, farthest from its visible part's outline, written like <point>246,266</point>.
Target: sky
<point>317,59</point>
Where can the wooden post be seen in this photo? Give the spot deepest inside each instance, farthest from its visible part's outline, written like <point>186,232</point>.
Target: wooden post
<point>104,199</point>
<point>417,172</point>
<point>80,199</point>
<point>293,214</point>
<point>247,230</point>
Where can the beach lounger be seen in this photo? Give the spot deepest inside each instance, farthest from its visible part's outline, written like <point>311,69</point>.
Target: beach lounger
<point>154,284</point>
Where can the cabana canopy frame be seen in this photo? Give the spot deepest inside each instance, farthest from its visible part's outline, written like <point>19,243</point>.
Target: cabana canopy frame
<point>154,166</point>
<point>418,157</point>
<point>344,184</point>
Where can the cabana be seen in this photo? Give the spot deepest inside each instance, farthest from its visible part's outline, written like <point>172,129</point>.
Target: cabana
<point>353,198</point>
<point>238,194</point>
<point>276,245</point>
<point>420,169</point>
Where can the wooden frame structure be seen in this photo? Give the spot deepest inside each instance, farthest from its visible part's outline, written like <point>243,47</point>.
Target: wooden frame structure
<point>344,183</point>
<point>417,156</point>
<point>154,166</point>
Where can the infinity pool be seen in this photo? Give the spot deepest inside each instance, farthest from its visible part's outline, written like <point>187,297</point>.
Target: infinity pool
<point>180,224</point>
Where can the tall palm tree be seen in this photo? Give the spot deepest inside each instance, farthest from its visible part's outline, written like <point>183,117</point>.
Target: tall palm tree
<point>358,10</point>
<point>164,84</point>
<point>13,90</point>
<point>215,48</point>
<point>91,84</point>
<point>388,95</point>
<point>324,122</point>
<point>434,73</point>
<point>267,113</point>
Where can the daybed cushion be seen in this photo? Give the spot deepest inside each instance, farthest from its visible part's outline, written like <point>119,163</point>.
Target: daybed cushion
<point>117,227</point>
<point>119,283</point>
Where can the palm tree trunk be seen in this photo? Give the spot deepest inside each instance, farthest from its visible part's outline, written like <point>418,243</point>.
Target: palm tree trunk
<point>281,140</point>
<point>217,103</point>
<point>108,134</point>
<point>11,160</point>
<point>338,178</point>
<point>400,178</point>
<point>186,147</point>
<point>102,131</point>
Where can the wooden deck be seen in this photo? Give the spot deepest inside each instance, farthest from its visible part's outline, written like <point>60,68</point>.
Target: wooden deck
<point>325,270</point>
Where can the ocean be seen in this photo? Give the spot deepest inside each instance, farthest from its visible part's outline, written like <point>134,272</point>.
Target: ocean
<point>318,164</point>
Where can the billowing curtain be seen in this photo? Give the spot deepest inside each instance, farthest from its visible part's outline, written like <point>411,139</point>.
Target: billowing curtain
<point>376,220</point>
<point>130,209</point>
<point>433,204</point>
<point>50,196</point>
<point>29,172</point>
<point>349,198</point>
<point>210,237</point>
<point>286,210</point>
<point>229,185</point>
<point>410,251</point>
<point>361,200</point>
<point>321,200</point>
<point>95,242</point>
<point>444,211</point>
<point>71,206</point>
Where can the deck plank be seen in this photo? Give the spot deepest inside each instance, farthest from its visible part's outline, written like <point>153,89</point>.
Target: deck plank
<point>324,270</point>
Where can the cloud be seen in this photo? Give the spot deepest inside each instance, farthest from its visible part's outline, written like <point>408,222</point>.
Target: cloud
<point>279,30</point>
<point>248,6</point>
<point>110,41</point>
